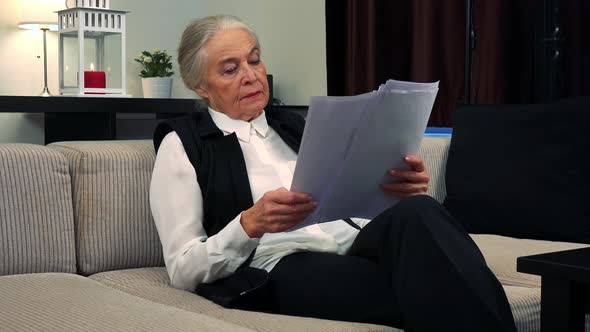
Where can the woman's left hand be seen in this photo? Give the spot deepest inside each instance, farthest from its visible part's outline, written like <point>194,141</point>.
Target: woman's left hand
<point>409,183</point>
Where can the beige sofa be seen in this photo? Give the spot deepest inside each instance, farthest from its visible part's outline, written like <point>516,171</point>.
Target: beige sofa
<point>79,250</point>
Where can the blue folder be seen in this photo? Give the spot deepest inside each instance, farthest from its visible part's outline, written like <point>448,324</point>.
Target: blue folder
<point>439,131</point>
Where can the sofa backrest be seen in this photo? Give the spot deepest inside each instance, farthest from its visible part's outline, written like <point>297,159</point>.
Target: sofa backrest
<point>36,214</point>
<point>434,151</point>
<point>110,186</point>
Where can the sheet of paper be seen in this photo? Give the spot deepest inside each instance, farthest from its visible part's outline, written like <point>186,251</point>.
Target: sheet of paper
<point>407,86</point>
<point>380,144</point>
<point>325,147</point>
<point>349,143</point>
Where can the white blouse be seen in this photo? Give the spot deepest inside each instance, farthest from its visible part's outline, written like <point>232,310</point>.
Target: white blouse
<point>177,207</point>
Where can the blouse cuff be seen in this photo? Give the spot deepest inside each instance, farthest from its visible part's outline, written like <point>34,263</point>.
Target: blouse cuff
<point>241,244</point>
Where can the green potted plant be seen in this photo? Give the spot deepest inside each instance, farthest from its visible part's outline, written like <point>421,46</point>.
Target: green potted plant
<point>156,73</point>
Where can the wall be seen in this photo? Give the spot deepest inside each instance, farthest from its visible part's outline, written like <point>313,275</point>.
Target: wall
<point>22,72</point>
<point>292,34</point>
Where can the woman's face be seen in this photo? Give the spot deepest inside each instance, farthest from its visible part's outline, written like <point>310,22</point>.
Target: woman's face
<point>235,79</point>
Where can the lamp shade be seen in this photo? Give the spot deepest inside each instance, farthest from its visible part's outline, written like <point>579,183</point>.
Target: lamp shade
<point>52,26</point>
<point>39,14</point>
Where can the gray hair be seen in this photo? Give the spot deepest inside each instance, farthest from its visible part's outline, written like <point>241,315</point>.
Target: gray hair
<point>192,58</point>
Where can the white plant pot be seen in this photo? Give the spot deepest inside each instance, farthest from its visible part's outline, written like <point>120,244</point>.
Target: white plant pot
<point>157,87</point>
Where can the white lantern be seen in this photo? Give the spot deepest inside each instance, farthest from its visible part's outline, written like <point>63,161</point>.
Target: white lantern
<point>91,49</point>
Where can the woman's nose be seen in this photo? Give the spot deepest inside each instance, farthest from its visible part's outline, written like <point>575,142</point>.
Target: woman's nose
<point>249,74</point>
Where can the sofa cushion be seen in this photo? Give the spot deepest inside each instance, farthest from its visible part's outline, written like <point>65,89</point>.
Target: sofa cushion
<point>68,302</point>
<point>153,284</point>
<point>520,170</point>
<point>501,252</point>
<point>114,225</point>
<point>36,216</point>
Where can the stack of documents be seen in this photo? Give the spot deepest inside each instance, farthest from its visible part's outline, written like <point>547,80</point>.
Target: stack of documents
<point>350,143</point>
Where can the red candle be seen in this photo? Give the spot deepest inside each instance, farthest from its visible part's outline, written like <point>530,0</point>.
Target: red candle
<point>94,79</point>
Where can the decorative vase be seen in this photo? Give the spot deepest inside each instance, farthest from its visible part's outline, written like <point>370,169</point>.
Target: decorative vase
<point>157,87</point>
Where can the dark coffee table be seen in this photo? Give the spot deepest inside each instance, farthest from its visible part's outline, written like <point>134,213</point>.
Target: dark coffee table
<point>565,287</point>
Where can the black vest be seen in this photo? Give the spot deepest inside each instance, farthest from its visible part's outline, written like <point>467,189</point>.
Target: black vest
<point>221,172</point>
<point>219,162</point>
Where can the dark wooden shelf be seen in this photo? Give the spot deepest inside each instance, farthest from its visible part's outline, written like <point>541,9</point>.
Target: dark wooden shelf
<point>91,118</point>
<point>95,118</point>
<point>36,104</point>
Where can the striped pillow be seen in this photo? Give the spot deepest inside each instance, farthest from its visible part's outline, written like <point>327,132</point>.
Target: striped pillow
<point>114,225</point>
<point>434,152</point>
<point>36,216</point>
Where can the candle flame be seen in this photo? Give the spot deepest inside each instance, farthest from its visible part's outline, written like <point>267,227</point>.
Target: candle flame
<point>91,66</point>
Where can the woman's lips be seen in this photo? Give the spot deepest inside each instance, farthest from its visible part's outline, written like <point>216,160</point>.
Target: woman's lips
<point>252,95</point>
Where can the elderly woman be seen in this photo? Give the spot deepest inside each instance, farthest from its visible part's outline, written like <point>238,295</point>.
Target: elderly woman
<point>222,212</point>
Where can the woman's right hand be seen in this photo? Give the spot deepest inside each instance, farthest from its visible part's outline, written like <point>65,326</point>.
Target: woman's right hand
<point>276,211</point>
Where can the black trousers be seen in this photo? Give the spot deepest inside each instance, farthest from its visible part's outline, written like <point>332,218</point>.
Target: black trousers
<point>412,267</point>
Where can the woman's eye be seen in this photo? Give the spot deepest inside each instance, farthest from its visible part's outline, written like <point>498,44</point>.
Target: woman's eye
<point>229,70</point>
<point>255,61</point>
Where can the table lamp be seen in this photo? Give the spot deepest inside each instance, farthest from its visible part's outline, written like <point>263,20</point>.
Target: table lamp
<point>40,15</point>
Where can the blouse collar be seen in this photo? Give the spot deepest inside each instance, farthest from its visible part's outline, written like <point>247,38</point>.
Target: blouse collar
<point>240,127</point>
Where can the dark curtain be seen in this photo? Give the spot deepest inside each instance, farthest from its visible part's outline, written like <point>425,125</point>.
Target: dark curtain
<point>370,41</point>
<point>503,59</point>
<point>577,47</point>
